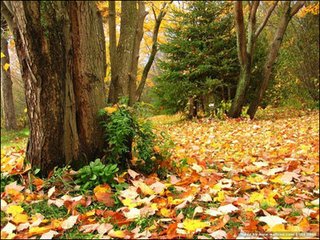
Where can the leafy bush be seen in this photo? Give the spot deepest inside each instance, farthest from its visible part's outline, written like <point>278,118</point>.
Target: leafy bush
<point>95,174</point>
<point>131,142</point>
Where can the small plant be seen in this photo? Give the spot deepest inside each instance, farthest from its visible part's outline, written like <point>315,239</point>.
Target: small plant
<point>131,141</point>
<point>95,174</point>
<point>223,109</point>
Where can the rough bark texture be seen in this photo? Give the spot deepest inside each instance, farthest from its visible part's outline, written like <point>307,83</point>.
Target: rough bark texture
<point>7,103</point>
<point>272,55</point>
<point>60,46</point>
<point>126,44</point>
<point>114,84</point>
<point>135,53</point>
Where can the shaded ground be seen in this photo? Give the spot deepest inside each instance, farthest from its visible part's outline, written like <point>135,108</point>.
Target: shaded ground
<point>226,178</point>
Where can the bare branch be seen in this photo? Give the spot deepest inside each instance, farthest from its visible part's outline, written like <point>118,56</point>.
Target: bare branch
<point>295,8</point>
<point>263,24</point>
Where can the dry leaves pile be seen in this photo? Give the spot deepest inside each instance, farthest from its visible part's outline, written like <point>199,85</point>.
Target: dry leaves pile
<point>231,178</point>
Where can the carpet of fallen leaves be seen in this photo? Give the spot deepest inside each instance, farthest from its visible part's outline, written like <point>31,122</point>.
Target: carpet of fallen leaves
<point>231,179</point>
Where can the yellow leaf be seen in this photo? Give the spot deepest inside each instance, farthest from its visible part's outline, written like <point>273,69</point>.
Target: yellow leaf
<point>165,212</point>
<point>38,230</point>
<point>174,201</point>
<point>116,234</point>
<point>129,203</point>
<point>2,55</point>
<point>110,110</point>
<point>20,218</point>
<point>194,225</point>
<point>145,189</point>
<point>6,66</point>
<point>256,197</point>
<point>220,197</point>
<point>14,210</point>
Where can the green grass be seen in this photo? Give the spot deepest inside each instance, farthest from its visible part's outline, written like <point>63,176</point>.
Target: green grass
<point>12,138</point>
<point>49,212</point>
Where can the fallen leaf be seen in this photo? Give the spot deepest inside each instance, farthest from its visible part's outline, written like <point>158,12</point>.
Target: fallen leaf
<point>272,220</point>
<point>14,210</point>
<point>49,235</point>
<point>228,208</point>
<point>69,222</point>
<point>104,228</point>
<point>51,191</point>
<point>8,228</point>
<point>194,225</point>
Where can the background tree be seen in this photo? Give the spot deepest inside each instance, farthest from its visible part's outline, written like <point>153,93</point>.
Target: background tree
<point>246,43</point>
<point>200,61</point>
<point>7,103</point>
<point>288,12</point>
<point>61,50</point>
<point>125,52</point>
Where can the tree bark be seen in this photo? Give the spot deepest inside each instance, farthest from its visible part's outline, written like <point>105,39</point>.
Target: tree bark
<point>135,53</point>
<point>246,49</point>
<point>272,55</point>
<point>125,46</point>
<point>61,50</point>
<point>7,102</point>
<point>114,84</point>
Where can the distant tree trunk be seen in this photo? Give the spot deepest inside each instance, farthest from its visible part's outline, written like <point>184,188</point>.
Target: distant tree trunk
<point>154,50</point>
<point>61,49</point>
<point>246,46</point>
<point>272,55</point>
<point>7,102</point>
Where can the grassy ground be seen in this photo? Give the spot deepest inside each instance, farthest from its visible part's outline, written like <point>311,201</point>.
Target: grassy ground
<point>12,138</point>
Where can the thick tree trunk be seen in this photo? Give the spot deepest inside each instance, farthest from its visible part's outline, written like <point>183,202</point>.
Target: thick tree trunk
<point>61,48</point>
<point>7,103</point>
<point>272,56</point>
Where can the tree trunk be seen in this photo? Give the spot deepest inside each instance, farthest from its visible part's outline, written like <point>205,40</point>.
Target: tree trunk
<point>154,50</point>
<point>114,84</point>
<point>245,53</point>
<point>7,102</point>
<point>246,47</point>
<point>239,99</point>
<point>61,48</point>
<point>272,56</point>
<point>135,53</point>
<point>126,45</point>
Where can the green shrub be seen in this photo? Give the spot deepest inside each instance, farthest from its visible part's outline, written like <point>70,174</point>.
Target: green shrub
<point>131,142</point>
<point>95,173</point>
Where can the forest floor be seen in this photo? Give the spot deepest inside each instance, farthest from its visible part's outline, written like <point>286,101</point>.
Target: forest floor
<point>226,179</point>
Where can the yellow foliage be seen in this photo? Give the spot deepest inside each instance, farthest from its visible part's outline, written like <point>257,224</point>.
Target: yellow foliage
<point>193,225</point>
<point>14,210</point>
<point>2,55</point>
<point>110,110</point>
<point>6,66</point>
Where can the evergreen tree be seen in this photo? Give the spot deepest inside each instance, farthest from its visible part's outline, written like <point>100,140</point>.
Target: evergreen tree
<point>200,59</point>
